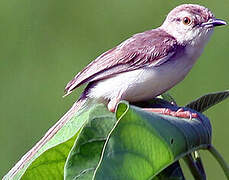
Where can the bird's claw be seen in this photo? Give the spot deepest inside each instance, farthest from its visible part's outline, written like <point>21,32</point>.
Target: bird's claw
<point>180,113</point>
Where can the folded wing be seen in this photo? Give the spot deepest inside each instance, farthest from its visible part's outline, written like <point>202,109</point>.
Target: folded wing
<point>150,48</point>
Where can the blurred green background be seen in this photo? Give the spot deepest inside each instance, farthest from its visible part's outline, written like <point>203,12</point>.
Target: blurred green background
<point>43,44</point>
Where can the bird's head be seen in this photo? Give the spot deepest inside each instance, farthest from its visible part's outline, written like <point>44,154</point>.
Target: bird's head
<point>191,24</point>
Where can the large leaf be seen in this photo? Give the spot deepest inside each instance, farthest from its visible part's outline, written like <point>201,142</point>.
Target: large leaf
<point>143,144</point>
<point>86,152</point>
<point>205,102</point>
<point>56,148</point>
<point>50,159</point>
<point>174,171</point>
<point>50,164</point>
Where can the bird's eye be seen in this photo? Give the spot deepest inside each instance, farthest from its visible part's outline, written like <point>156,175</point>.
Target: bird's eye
<point>186,20</point>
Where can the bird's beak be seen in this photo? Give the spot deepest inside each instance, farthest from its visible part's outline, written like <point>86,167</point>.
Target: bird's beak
<point>213,23</point>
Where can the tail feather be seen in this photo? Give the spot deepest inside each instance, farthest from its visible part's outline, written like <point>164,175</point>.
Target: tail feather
<point>49,134</point>
<point>70,86</point>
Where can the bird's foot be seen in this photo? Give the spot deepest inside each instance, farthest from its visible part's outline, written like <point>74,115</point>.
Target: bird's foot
<point>179,113</point>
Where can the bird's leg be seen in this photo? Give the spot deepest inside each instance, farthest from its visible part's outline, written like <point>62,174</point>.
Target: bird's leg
<point>112,105</point>
<point>179,113</point>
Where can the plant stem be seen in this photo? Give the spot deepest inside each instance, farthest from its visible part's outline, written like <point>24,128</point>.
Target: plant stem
<point>195,170</point>
<point>199,164</point>
<point>220,160</point>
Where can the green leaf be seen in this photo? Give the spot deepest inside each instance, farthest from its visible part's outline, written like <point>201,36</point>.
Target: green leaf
<point>174,171</point>
<point>85,154</point>
<point>57,148</point>
<point>152,142</point>
<point>50,164</point>
<point>205,102</point>
<point>143,144</point>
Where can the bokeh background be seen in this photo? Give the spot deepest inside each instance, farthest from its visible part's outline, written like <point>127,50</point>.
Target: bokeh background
<point>43,44</point>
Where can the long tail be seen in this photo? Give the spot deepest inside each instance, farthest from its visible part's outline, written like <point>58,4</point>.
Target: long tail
<point>49,134</point>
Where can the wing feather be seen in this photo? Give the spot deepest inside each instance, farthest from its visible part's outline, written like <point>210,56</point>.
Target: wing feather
<point>150,48</point>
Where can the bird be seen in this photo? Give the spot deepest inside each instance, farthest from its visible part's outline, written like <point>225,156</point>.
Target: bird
<point>148,63</point>
<point>142,67</point>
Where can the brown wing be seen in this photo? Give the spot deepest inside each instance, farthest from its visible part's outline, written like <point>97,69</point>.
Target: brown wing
<point>150,48</point>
